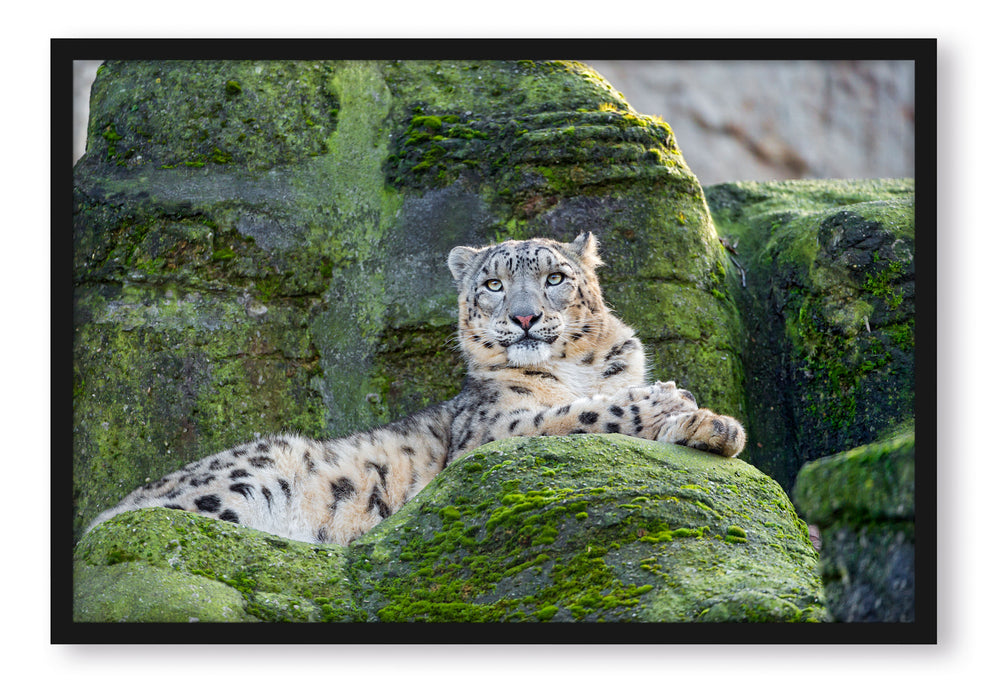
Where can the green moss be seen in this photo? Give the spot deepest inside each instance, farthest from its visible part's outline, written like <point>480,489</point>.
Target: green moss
<point>830,342</point>
<point>426,122</point>
<point>269,578</point>
<point>219,157</point>
<point>867,483</point>
<point>902,335</point>
<point>450,513</point>
<point>687,532</point>
<point>223,254</point>
<point>513,548</point>
<point>110,134</point>
<point>658,537</point>
<point>546,613</point>
<point>879,284</point>
<point>524,544</point>
<point>736,531</point>
<point>201,113</point>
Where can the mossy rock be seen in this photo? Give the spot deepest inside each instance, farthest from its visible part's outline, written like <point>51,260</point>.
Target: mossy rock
<point>583,528</point>
<point>863,501</point>
<point>828,309</point>
<point>260,246</point>
<point>165,565</point>
<point>592,528</point>
<point>863,485</point>
<point>136,592</point>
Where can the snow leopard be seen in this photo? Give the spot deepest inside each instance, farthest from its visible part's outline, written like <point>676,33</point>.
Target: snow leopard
<point>544,356</point>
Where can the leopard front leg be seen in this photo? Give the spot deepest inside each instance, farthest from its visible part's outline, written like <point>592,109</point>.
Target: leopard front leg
<point>658,411</point>
<point>679,421</point>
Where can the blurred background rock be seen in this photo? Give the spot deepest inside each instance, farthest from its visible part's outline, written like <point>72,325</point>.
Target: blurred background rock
<point>773,120</point>
<point>748,120</point>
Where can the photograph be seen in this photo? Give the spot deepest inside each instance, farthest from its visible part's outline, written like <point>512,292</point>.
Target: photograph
<point>486,341</point>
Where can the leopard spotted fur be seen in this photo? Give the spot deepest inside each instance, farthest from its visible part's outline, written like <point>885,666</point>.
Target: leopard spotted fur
<point>544,356</point>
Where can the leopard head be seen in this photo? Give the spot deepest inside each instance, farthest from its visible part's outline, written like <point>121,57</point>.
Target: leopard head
<point>524,303</point>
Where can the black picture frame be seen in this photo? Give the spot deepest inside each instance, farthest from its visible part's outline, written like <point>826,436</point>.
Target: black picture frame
<point>920,51</point>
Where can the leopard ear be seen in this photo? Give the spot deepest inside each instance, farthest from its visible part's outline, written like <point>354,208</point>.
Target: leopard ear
<point>460,261</point>
<point>585,249</point>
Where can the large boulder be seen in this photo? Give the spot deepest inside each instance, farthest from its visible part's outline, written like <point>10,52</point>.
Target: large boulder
<point>826,289</point>
<point>260,246</point>
<point>583,528</point>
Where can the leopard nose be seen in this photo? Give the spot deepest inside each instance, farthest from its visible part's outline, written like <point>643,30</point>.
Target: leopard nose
<point>526,321</point>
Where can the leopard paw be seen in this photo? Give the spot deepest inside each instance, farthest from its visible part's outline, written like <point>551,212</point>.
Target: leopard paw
<point>705,430</point>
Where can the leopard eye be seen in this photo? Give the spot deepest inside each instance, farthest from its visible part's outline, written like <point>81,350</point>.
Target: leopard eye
<point>554,278</point>
<point>493,285</point>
